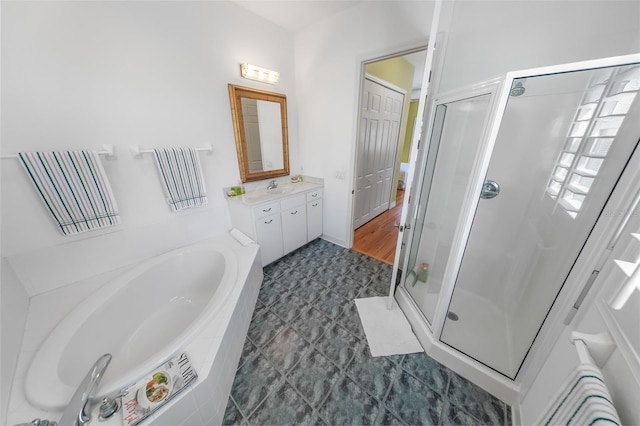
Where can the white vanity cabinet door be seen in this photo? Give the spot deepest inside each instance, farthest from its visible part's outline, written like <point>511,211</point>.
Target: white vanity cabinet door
<point>294,227</point>
<point>269,233</point>
<point>314,219</point>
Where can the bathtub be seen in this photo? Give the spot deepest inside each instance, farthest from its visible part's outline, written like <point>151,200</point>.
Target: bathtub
<point>143,317</point>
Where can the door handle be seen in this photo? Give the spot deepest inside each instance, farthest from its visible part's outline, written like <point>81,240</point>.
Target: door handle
<point>490,189</point>
<point>402,228</point>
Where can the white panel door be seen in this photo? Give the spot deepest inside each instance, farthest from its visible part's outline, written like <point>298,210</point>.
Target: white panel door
<point>252,134</point>
<point>380,115</point>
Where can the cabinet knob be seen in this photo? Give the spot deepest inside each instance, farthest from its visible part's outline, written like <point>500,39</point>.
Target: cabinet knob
<point>296,212</point>
<point>314,205</point>
<point>266,210</point>
<point>268,221</point>
<point>314,195</point>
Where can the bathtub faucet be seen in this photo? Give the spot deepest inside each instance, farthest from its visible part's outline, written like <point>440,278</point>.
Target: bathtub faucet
<point>78,412</point>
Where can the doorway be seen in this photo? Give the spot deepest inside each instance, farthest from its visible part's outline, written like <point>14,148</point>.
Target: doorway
<point>383,151</point>
<point>381,115</point>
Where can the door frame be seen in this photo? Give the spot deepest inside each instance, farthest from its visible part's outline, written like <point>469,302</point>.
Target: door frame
<point>403,92</point>
<point>361,77</point>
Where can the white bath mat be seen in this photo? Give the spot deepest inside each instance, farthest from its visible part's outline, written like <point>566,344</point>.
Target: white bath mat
<point>388,331</point>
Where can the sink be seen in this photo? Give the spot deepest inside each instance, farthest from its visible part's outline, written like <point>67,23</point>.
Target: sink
<point>284,189</point>
<point>267,194</point>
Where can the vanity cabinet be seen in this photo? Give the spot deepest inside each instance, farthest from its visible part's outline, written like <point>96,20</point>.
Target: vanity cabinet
<point>280,225</point>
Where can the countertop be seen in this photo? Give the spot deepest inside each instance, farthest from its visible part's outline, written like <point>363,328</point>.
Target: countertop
<point>262,195</point>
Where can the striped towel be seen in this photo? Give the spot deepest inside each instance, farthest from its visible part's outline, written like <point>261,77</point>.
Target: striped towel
<point>181,177</point>
<point>582,400</point>
<point>74,188</point>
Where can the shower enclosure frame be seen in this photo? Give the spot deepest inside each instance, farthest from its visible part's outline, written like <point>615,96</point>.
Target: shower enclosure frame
<point>594,252</point>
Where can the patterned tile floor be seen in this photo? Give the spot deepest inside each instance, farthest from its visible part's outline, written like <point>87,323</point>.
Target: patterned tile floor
<point>306,359</point>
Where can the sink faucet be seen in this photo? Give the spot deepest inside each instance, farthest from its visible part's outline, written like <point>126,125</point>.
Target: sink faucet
<point>78,412</point>
<point>273,184</point>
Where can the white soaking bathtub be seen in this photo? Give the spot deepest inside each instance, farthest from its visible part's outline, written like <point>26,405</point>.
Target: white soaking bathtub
<point>142,318</point>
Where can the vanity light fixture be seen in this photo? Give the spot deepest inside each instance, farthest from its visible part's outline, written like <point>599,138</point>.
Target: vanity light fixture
<point>264,75</point>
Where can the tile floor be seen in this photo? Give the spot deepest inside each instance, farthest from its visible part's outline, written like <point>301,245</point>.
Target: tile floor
<point>306,361</point>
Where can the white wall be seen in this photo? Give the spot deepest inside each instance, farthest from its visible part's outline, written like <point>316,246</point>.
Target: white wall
<point>328,65</point>
<point>76,75</point>
<point>485,39</point>
<point>14,309</point>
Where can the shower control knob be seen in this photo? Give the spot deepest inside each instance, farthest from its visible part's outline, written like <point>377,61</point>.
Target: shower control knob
<point>490,189</point>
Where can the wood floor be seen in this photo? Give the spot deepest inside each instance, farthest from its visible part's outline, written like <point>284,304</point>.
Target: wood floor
<point>377,238</point>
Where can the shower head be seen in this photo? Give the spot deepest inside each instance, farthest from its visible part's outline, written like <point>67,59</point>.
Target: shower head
<point>517,89</point>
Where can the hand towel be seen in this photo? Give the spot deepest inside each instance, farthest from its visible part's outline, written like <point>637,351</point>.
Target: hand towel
<point>181,177</point>
<point>74,187</point>
<point>583,399</point>
<point>241,237</point>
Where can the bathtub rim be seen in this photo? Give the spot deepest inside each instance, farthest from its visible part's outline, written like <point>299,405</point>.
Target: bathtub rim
<point>57,340</point>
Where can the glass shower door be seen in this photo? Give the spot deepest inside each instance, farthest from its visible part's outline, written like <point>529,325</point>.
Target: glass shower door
<point>457,129</point>
<point>562,144</point>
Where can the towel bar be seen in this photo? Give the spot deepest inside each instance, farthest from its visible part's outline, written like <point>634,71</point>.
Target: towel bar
<point>583,352</point>
<point>107,150</point>
<point>592,348</point>
<point>137,152</point>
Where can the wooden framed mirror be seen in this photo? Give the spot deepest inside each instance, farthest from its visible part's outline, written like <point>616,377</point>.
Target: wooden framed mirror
<point>260,127</point>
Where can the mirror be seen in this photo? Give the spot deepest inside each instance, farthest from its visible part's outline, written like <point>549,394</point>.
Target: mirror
<point>260,127</point>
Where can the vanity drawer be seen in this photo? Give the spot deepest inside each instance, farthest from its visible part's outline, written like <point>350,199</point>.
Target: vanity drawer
<point>266,209</point>
<point>314,195</point>
<point>294,201</point>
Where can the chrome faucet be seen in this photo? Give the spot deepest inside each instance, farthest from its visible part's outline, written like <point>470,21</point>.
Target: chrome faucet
<point>78,412</point>
<point>273,184</point>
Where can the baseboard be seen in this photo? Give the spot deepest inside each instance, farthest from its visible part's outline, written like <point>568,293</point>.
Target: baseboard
<point>334,240</point>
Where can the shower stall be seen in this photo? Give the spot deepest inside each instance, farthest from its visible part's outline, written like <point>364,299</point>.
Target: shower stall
<point>510,187</point>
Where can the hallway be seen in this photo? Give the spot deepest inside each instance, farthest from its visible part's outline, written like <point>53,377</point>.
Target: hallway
<point>378,237</point>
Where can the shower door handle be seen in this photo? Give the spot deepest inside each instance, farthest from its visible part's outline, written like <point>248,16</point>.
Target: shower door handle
<point>490,189</point>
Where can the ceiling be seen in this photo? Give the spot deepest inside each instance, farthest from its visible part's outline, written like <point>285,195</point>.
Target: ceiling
<point>296,14</point>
